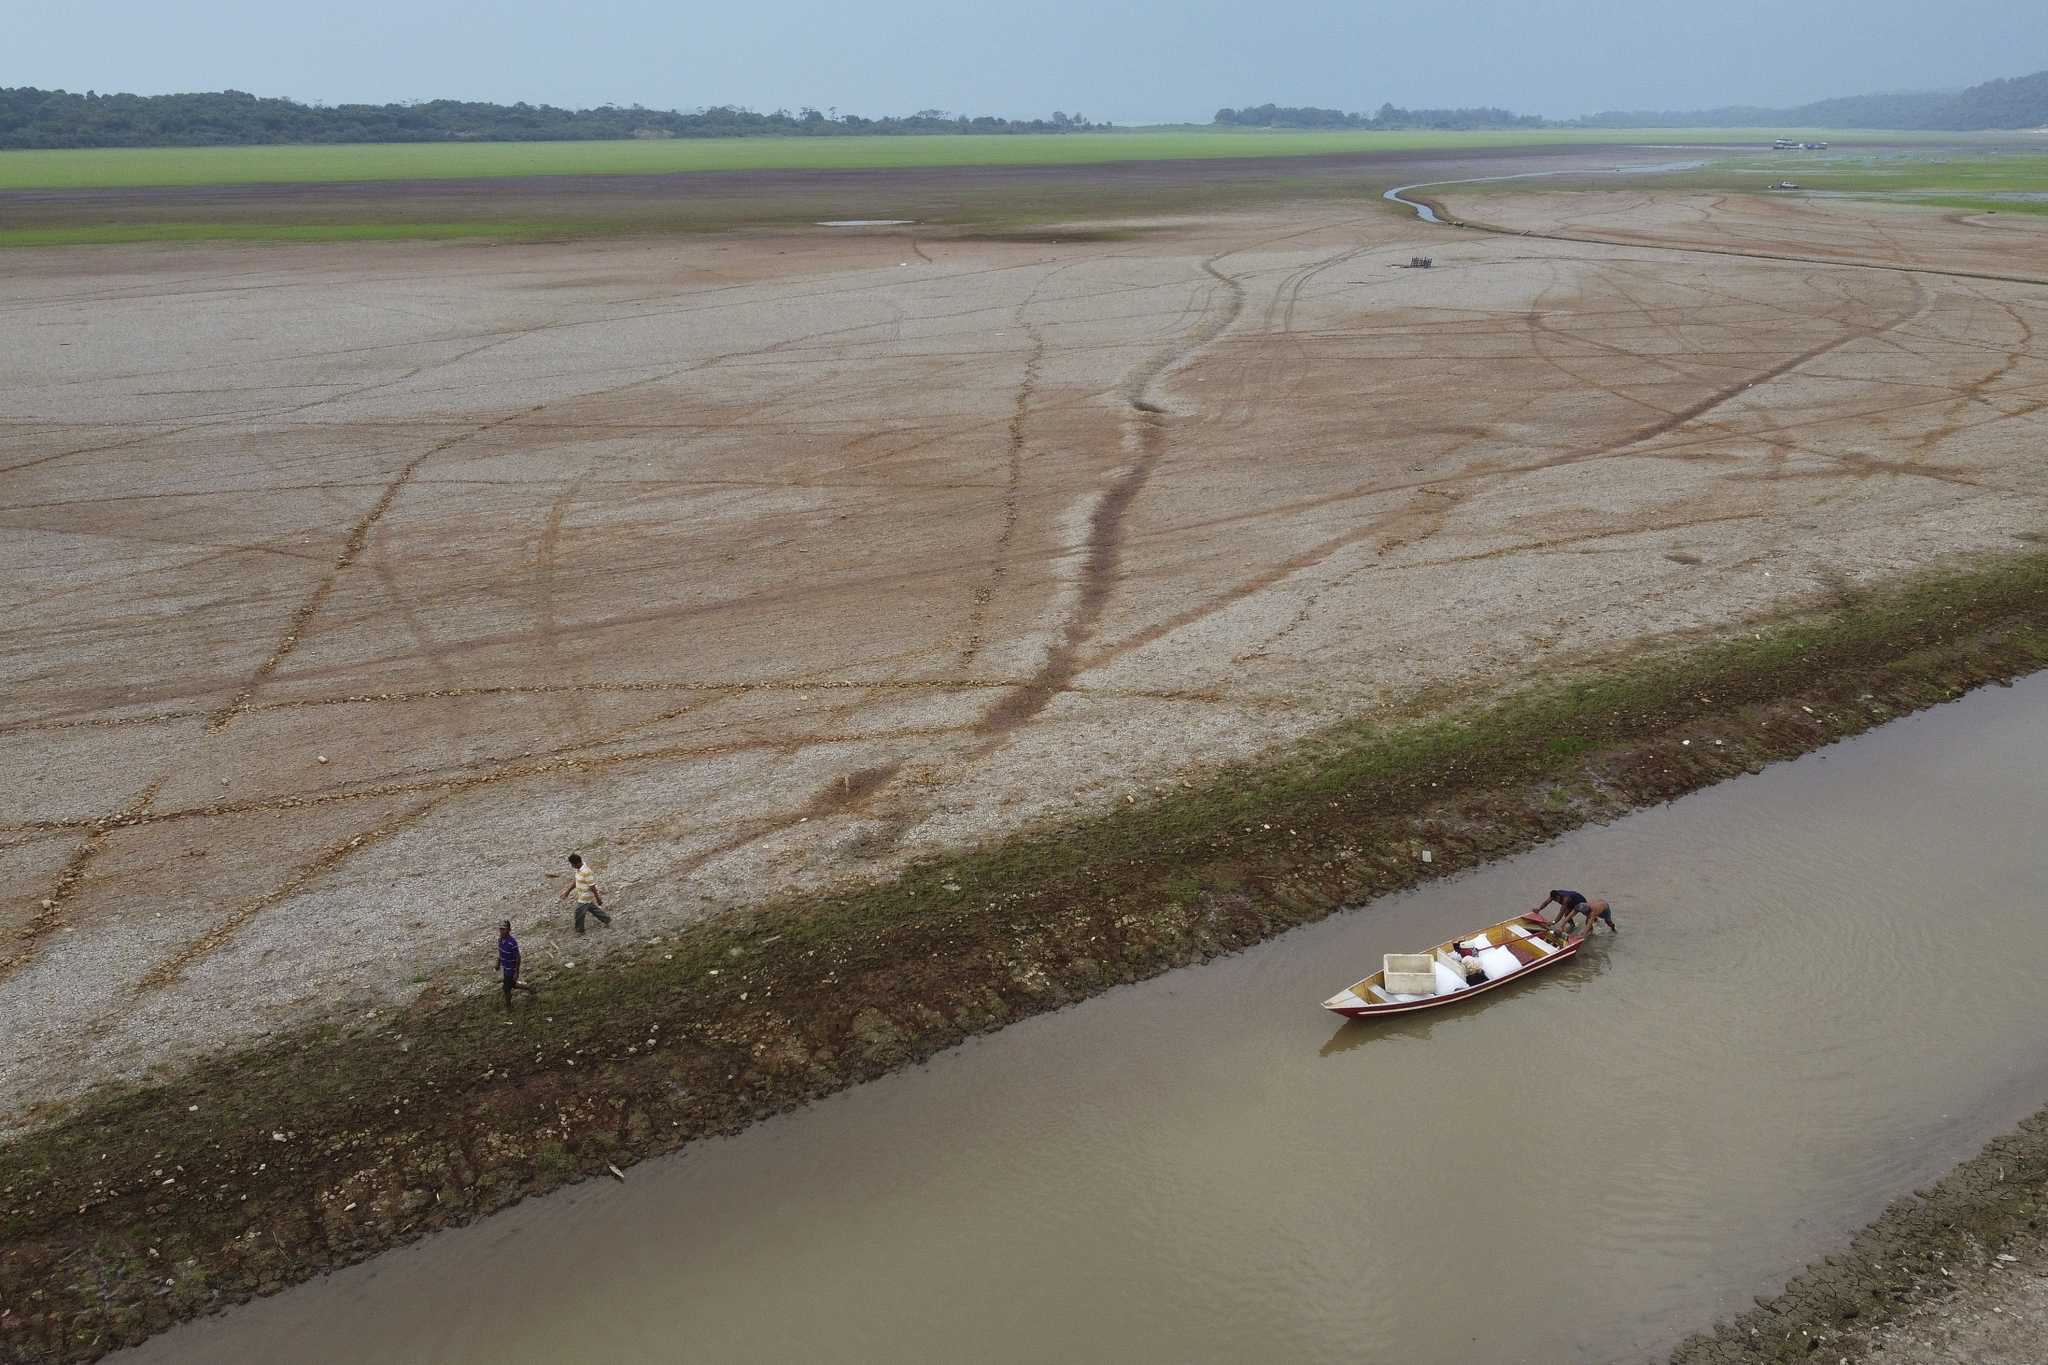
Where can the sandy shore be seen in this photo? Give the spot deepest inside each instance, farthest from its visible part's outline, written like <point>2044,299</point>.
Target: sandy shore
<point>356,585</point>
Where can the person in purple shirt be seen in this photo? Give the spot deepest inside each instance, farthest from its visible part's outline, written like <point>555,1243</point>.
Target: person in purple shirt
<point>508,963</point>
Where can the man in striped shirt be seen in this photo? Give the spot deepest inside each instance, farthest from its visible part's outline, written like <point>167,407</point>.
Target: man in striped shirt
<point>589,900</point>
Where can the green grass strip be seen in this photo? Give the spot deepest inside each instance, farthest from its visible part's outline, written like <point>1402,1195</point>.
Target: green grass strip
<point>164,166</point>
<point>111,234</point>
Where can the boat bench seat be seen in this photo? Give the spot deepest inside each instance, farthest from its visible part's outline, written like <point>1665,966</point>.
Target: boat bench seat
<point>1380,994</point>
<point>1525,939</point>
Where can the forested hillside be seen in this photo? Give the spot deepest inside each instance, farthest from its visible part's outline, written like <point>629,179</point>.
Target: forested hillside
<point>57,118</point>
<point>2021,102</point>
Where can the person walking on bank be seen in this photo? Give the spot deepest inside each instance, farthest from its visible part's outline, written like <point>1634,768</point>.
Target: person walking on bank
<point>508,963</point>
<point>589,900</point>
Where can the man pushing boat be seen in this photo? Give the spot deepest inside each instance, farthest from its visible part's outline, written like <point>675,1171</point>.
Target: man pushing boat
<point>1570,905</point>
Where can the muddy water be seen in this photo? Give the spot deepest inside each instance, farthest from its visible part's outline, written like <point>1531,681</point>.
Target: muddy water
<point>1827,989</point>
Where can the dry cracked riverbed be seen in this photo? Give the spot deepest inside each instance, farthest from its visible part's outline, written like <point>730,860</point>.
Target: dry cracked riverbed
<point>354,585</point>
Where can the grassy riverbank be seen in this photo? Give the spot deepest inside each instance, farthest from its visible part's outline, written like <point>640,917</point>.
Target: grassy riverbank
<point>150,1203</point>
<point>1947,177</point>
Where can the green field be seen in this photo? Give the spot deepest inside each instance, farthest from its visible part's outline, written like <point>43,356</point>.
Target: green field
<point>2017,172</point>
<point>152,166</point>
<point>1982,204</point>
<point>2008,182</point>
<point>112,234</point>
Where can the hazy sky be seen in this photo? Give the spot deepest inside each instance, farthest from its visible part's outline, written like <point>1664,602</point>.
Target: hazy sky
<point>1139,61</point>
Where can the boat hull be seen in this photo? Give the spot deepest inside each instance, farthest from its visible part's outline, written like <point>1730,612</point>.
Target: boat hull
<point>1522,935</point>
<point>1373,1010</point>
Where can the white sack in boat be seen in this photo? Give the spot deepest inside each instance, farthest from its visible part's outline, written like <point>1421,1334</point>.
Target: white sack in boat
<point>1498,962</point>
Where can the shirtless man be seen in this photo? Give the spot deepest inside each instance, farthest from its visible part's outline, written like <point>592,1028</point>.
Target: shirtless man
<point>1570,905</point>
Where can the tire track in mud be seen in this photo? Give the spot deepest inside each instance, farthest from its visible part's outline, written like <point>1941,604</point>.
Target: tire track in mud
<point>848,794</point>
<point>1099,575</point>
<point>546,560</point>
<point>1977,390</point>
<point>1279,318</point>
<point>49,916</point>
<point>430,647</point>
<point>1279,573</point>
<point>104,447</point>
<point>569,760</point>
<point>1138,386</point>
<point>1013,482</point>
<point>835,796</point>
<point>1651,244</point>
<point>1431,508</point>
<point>231,419</point>
<point>1056,674</point>
<point>168,970</point>
<point>1667,421</point>
<point>1102,552</point>
<point>1672,419</point>
<point>1580,538</point>
<point>713,689</point>
<point>1605,272</point>
<point>1535,321</point>
<point>1726,393</point>
<point>1017,432</point>
<point>1681,449</point>
<point>351,550</point>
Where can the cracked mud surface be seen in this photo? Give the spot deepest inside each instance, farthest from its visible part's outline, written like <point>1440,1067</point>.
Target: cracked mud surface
<point>750,563</point>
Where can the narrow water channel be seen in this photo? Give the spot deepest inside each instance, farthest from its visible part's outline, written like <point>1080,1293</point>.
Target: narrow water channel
<point>1826,990</point>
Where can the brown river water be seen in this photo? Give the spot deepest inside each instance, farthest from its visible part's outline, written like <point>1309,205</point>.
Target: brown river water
<point>1827,989</point>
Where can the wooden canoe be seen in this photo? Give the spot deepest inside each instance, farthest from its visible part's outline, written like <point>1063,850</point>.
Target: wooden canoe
<point>1527,940</point>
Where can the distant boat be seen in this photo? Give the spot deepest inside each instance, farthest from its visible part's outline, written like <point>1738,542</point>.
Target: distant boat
<point>1508,951</point>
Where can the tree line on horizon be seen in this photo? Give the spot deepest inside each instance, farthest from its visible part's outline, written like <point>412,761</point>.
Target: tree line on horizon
<point>32,118</point>
<point>1389,117</point>
<point>2018,102</point>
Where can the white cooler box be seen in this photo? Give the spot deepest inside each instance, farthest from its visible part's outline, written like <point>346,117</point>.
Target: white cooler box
<point>1410,974</point>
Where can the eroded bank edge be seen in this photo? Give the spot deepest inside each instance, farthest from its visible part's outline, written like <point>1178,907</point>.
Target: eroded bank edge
<point>1942,1243</point>
<point>144,1205</point>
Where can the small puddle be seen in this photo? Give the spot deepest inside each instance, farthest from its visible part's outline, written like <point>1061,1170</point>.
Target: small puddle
<point>869,222</point>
